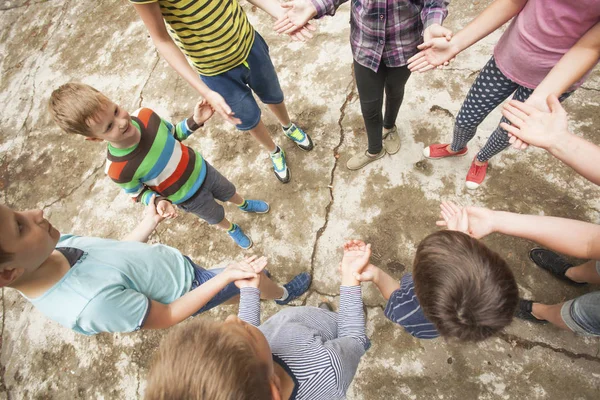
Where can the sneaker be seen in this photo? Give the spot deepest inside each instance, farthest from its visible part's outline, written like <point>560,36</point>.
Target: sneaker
<point>391,141</point>
<point>361,159</point>
<point>240,238</point>
<point>282,172</point>
<point>476,175</point>
<point>296,287</point>
<point>256,206</point>
<point>440,150</point>
<point>299,137</point>
<point>553,263</point>
<point>523,311</point>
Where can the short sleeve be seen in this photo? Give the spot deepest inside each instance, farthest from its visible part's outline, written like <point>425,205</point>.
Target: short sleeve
<point>115,309</point>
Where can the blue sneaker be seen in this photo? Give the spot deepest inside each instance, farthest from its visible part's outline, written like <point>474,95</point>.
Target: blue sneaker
<point>256,206</point>
<point>298,136</point>
<point>282,172</point>
<point>240,238</point>
<point>296,287</point>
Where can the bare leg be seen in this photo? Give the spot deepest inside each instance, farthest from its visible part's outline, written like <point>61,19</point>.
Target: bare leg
<point>262,135</point>
<point>236,199</point>
<point>281,113</point>
<point>224,224</point>
<point>550,314</point>
<point>269,289</point>
<point>584,273</point>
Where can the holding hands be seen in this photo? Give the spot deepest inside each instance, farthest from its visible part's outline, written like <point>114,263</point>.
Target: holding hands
<point>294,21</point>
<point>158,212</point>
<point>438,48</point>
<point>355,259</point>
<point>532,126</point>
<point>474,221</point>
<point>202,112</point>
<point>246,273</point>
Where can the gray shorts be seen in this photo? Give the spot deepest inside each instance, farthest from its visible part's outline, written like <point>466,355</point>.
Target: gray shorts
<point>582,314</point>
<point>203,204</point>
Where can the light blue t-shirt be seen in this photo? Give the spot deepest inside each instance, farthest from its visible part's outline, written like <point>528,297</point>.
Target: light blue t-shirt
<point>110,287</point>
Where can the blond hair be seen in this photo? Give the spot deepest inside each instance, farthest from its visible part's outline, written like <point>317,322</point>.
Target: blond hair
<point>72,106</point>
<point>205,360</point>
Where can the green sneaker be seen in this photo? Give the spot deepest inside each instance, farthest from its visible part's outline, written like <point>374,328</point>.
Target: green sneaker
<point>282,172</point>
<point>299,137</point>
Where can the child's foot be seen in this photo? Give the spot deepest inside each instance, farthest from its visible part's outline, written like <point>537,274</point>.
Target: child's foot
<point>282,172</point>
<point>553,263</point>
<point>524,311</point>
<point>298,136</point>
<point>391,140</point>
<point>255,206</point>
<point>295,288</point>
<point>476,174</point>
<point>363,158</point>
<point>239,237</point>
<point>442,150</point>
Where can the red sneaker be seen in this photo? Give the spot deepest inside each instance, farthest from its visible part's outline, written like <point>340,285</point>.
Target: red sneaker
<point>476,175</point>
<point>440,150</point>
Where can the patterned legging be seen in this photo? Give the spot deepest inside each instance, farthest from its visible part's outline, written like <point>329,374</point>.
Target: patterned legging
<point>489,90</point>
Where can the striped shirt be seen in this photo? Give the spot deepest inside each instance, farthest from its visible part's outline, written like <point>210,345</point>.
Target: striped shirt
<point>387,31</point>
<point>319,349</point>
<point>404,309</point>
<point>215,35</point>
<point>159,164</point>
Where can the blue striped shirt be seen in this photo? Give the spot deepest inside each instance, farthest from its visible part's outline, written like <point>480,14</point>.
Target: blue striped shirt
<point>404,309</point>
<point>318,348</point>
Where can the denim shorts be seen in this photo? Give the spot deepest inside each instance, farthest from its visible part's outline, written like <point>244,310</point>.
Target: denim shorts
<point>201,276</point>
<point>237,84</point>
<point>582,315</point>
<point>203,204</point>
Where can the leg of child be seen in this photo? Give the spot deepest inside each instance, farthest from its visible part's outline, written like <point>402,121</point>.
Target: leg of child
<point>394,94</point>
<point>588,272</point>
<point>489,90</point>
<point>550,313</point>
<point>281,114</point>
<point>263,136</point>
<point>370,92</point>
<point>580,315</point>
<point>498,141</point>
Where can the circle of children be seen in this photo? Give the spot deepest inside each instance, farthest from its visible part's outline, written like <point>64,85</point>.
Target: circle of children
<point>458,287</point>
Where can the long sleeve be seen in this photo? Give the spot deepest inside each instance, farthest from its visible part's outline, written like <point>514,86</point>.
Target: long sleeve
<point>183,129</point>
<point>434,12</point>
<point>249,310</point>
<point>326,7</point>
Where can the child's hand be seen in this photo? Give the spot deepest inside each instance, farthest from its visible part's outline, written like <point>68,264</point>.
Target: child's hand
<point>436,31</point>
<point>480,220</point>
<point>250,264</point>
<point>455,218</point>
<point>165,209</point>
<point>356,257</point>
<point>202,112</point>
<point>151,213</point>
<point>219,105</point>
<point>369,274</point>
<point>532,126</point>
<point>435,52</point>
<point>294,20</point>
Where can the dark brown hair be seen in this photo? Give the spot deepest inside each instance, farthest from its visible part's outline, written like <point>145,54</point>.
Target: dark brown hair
<point>72,106</point>
<point>204,360</point>
<point>466,290</point>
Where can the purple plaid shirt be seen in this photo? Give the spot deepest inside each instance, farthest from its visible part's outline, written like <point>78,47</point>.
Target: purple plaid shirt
<point>386,31</point>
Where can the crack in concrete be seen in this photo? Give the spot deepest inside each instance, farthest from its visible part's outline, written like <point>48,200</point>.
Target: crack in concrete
<point>141,96</point>
<point>529,344</point>
<point>351,94</point>
<point>94,172</point>
<point>3,387</point>
<point>589,88</point>
<point>26,4</point>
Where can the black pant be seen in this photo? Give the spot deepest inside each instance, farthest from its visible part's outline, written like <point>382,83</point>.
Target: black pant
<point>370,91</point>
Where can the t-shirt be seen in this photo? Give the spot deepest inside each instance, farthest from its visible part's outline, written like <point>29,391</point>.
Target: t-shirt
<point>215,35</point>
<point>159,164</point>
<point>319,349</point>
<point>109,288</point>
<point>404,309</point>
<point>540,35</point>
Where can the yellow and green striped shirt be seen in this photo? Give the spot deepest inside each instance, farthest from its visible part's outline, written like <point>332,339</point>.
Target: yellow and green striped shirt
<point>215,35</point>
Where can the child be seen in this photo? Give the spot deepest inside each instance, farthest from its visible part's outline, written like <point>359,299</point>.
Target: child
<point>232,61</point>
<point>383,36</point>
<point>548,49</point>
<point>302,353</point>
<point>459,287</point>
<point>146,156</point>
<point>94,285</point>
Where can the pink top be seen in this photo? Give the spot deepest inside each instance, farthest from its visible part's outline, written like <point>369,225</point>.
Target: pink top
<point>540,35</point>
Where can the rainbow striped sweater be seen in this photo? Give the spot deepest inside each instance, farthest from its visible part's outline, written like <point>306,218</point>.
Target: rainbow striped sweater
<point>159,164</point>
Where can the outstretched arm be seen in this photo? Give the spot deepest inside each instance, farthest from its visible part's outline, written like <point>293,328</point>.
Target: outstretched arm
<point>549,130</point>
<point>150,221</point>
<point>438,51</point>
<point>152,17</point>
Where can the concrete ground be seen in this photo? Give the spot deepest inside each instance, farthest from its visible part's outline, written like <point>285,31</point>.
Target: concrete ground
<point>392,203</point>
